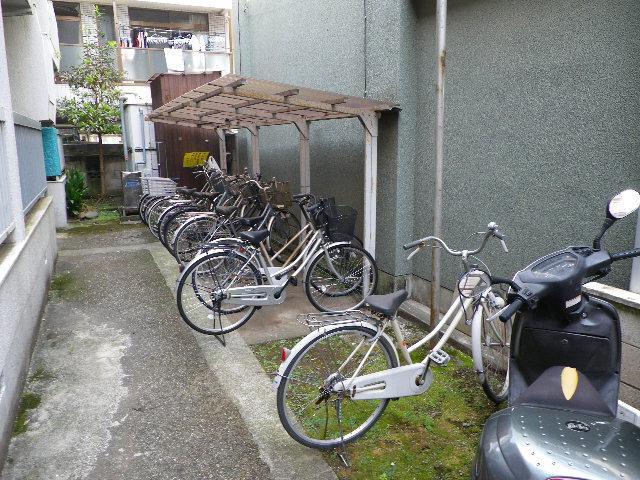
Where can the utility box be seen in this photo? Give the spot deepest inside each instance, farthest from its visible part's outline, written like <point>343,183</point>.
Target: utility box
<point>131,192</point>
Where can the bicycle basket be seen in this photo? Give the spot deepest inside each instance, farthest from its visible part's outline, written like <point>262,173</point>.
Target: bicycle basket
<point>341,222</point>
<point>280,194</point>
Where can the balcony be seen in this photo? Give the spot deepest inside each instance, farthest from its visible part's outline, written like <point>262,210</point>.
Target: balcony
<point>140,64</point>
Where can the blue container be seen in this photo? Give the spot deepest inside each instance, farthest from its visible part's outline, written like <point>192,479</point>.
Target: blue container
<point>51,152</point>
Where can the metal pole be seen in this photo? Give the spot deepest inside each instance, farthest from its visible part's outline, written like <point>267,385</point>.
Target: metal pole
<point>441,30</point>
<point>125,143</point>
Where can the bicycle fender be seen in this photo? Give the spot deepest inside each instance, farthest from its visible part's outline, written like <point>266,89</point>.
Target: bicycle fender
<point>317,333</point>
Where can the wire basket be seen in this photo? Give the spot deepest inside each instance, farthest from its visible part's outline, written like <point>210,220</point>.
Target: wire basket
<point>318,320</point>
<point>159,186</point>
<point>279,194</point>
<point>341,222</point>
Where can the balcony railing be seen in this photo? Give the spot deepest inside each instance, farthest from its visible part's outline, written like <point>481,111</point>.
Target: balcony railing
<point>140,64</point>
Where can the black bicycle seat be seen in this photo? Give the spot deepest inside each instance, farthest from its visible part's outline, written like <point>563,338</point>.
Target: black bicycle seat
<point>226,211</point>
<point>254,237</point>
<point>387,304</point>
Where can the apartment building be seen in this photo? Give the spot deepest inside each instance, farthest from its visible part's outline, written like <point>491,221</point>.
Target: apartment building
<point>153,37</point>
<point>29,59</point>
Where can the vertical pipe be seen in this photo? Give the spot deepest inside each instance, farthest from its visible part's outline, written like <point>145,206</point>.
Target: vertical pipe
<point>125,142</point>
<point>144,139</point>
<point>441,30</point>
<point>634,286</point>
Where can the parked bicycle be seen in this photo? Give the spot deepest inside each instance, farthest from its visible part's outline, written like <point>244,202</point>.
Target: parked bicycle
<point>336,382</point>
<point>222,287</point>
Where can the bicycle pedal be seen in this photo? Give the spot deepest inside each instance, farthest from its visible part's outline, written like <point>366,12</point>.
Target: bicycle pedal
<point>439,357</point>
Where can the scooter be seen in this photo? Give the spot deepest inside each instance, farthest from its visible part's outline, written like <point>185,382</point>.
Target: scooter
<point>564,373</point>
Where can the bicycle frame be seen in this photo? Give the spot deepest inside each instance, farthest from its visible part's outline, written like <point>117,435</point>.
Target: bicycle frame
<point>273,293</point>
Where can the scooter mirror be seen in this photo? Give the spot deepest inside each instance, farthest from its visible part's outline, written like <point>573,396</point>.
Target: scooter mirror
<point>623,204</point>
<point>473,283</point>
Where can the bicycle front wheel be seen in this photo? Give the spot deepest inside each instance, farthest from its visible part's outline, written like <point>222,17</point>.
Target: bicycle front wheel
<point>201,292</point>
<point>341,278</point>
<point>491,345</point>
<point>310,410</point>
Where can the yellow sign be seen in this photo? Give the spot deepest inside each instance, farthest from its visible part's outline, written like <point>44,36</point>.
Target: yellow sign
<point>194,159</point>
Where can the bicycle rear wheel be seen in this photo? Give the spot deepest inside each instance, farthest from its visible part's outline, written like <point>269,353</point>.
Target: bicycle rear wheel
<point>310,410</point>
<point>341,278</point>
<point>201,292</point>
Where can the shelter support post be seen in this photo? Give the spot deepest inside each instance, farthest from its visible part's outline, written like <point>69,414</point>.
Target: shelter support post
<point>222,148</point>
<point>370,123</point>
<point>441,30</point>
<point>305,156</point>
<point>255,149</point>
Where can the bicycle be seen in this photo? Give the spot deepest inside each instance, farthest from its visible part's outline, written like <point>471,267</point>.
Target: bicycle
<point>220,289</point>
<point>336,382</point>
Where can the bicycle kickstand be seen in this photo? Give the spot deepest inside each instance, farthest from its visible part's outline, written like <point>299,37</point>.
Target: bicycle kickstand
<point>342,454</point>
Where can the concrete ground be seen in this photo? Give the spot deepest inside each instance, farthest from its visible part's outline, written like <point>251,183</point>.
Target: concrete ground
<point>128,391</point>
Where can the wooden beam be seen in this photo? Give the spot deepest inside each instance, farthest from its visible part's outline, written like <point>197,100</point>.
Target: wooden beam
<point>222,149</point>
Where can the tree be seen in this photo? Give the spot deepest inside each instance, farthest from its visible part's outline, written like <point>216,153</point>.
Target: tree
<point>94,107</point>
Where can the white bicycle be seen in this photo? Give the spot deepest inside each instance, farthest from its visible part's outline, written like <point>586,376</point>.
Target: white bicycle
<point>336,382</point>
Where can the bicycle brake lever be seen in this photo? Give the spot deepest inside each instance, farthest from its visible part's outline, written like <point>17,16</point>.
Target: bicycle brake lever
<point>504,245</point>
<point>418,248</point>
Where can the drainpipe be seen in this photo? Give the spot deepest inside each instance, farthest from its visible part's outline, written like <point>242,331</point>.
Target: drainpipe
<point>441,30</point>
<point>123,127</point>
<point>635,267</point>
<point>144,139</point>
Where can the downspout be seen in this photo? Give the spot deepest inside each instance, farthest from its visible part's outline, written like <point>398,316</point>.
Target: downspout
<point>123,127</point>
<point>144,139</point>
<point>441,31</point>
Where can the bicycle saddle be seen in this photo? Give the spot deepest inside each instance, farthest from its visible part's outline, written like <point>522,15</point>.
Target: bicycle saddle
<point>254,237</point>
<point>387,304</point>
<point>226,211</point>
<point>249,221</point>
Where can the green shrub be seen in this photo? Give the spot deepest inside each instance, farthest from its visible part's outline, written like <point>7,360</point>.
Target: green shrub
<point>76,191</point>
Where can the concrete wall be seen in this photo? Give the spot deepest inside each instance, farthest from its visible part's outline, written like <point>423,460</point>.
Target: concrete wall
<point>25,271</point>
<point>541,116</point>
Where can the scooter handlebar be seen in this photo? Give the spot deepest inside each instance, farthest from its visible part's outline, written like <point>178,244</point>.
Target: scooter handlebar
<point>511,309</point>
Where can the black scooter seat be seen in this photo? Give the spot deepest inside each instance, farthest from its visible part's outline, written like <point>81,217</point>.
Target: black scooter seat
<point>387,304</point>
<point>254,237</point>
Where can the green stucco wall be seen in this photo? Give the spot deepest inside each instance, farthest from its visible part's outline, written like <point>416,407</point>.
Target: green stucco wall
<point>542,115</point>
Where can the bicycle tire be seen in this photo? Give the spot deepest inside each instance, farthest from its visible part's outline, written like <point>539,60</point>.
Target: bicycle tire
<point>317,285</point>
<point>187,286</point>
<point>490,344</point>
<point>294,425</point>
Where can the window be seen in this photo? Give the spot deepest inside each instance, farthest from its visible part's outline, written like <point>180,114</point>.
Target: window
<point>166,29</point>
<point>193,22</point>
<point>68,20</point>
<point>106,25</point>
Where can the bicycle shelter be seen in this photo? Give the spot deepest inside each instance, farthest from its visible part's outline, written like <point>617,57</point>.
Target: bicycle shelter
<point>234,101</point>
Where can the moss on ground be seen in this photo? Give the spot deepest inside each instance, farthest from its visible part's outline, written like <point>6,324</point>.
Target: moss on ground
<point>28,401</point>
<point>65,286</point>
<point>426,437</point>
<point>41,374</point>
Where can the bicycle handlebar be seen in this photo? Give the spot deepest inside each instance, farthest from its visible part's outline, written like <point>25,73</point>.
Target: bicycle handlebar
<point>492,231</point>
<point>623,255</point>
